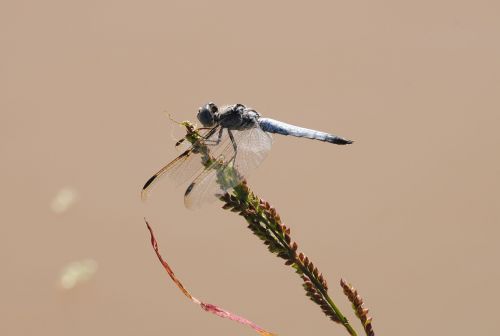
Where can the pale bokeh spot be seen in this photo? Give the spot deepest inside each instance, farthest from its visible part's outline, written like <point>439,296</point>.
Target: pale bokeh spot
<point>64,199</point>
<point>77,272</point>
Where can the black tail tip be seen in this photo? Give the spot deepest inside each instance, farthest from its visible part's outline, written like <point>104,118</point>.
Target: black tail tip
<point>341,141</point>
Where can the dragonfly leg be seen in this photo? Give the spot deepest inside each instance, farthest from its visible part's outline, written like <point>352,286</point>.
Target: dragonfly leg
<point>201,128</point>
<point>198,129</point>
<point>219,137</point>
<point>234,145</point>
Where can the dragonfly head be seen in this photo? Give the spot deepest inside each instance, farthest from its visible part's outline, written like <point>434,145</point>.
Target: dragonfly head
<point>208,115</point>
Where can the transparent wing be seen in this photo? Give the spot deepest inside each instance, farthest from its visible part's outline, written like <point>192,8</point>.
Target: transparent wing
<point>184,168</point>
<point>253,145</point>
<point>178,166</point>
<point>232,164</point>
<point>204,189</point>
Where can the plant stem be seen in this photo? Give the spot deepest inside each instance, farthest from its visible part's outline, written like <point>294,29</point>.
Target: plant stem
<point>342,318</point>
<point>312,278</point>
<point>323,292</point>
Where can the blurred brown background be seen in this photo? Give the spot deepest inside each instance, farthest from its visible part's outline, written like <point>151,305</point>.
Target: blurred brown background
<point>409,214</point>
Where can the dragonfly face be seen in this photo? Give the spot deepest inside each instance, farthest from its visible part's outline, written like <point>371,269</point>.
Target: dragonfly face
<point>208,115</point>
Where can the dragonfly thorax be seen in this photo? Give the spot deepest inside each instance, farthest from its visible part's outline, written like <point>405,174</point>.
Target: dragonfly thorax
<point>233,117</point>
<point>237,117</point>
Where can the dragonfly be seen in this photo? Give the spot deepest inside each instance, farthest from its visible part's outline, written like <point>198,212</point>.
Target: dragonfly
<point>235,140</point>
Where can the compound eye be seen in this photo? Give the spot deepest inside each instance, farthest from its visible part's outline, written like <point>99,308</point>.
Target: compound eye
<point>206,115</point>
